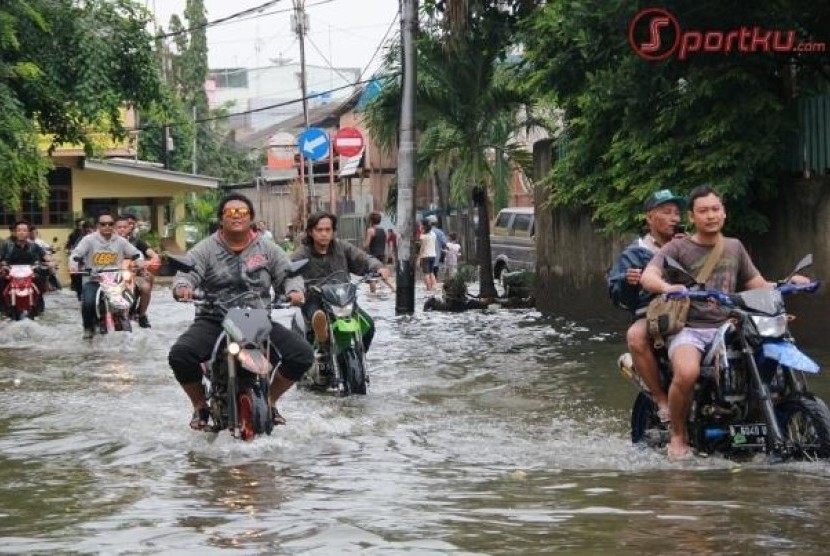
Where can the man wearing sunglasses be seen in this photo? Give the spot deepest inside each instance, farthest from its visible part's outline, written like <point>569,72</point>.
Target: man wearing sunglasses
<point>100,249</point>
<point>231,261</point>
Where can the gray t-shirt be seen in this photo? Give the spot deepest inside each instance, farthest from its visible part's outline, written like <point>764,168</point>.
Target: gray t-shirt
<point>98,253</point>
<point>733,271</point>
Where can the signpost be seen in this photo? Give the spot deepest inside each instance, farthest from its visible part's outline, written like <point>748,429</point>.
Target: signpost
<point>314,143</point>
<point>348,141</point>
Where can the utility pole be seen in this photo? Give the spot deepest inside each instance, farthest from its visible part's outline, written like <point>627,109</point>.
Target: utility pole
<point>300,22</point>
<point>195,145</point>
<point>405,274</point>
<point>165,146</point>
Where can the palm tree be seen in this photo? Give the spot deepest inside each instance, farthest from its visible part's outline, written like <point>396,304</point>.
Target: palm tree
<point>467,110</point>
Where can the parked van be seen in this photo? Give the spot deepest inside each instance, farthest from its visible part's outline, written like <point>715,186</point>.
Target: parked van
<point>512,241</point>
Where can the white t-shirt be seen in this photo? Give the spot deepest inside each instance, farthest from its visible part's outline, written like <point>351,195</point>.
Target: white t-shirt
<point>453,249</point>
<point>427,245</point>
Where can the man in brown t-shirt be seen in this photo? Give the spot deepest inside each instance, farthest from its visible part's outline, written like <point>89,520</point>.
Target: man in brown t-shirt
<point>733,272</point>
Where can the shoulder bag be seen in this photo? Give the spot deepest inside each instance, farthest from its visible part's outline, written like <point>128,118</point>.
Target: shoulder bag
<point>665,317</point>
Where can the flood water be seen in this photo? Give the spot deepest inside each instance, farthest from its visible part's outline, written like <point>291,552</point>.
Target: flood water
<point>482,433</point>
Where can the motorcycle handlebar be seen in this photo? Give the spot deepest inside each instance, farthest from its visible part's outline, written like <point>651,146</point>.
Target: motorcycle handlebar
<point>789,288</point>
<point>729,300</point>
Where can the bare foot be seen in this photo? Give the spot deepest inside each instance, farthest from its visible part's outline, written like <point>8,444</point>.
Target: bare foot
<point>679,452</point>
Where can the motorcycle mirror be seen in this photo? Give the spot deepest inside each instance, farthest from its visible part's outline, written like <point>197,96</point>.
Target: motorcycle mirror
<point>672,264</point>
<point>802,264</point>
<point>295,266</point>
<point>182,263</point>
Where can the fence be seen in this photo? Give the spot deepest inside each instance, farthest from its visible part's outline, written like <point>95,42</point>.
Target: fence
<point>811,144</point>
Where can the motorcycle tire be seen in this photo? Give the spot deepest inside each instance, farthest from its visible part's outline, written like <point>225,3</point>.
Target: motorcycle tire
<point>354,373</point>
<point>245,403</point>
<point>254,414</point>
<point>805,423</point>
<point>643,418</point>
<point>263,421</point>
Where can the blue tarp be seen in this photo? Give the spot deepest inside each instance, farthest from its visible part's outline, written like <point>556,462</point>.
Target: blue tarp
<point>370,92</point>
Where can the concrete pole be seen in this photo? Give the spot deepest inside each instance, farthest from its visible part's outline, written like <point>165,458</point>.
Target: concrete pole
<point>300,29</point>
<point>405,272</point>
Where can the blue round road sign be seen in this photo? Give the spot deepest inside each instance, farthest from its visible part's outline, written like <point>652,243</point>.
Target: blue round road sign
<point>314,143</point>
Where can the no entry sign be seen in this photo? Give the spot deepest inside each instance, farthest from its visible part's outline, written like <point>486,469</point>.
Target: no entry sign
<point>348,141</point>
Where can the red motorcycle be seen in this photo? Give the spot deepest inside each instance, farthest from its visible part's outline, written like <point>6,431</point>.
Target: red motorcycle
<point>22,297</point>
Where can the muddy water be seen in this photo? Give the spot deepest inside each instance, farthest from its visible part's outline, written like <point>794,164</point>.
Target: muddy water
<point>483,433</point>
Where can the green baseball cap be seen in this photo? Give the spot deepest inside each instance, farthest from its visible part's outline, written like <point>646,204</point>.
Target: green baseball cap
<point>662,197</point>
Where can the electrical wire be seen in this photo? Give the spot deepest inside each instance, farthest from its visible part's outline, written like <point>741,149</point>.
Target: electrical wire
<point>380,44</point>
<point>263,108</point>
<point>326,60</point>
<point>221,20</point>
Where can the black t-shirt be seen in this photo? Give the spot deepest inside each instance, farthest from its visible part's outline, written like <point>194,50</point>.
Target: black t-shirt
<point>141,245</point>
<point>30,253</point>
<point>377,245</point>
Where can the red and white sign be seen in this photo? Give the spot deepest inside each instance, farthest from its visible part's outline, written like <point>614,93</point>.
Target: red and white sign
<point>348,141</point>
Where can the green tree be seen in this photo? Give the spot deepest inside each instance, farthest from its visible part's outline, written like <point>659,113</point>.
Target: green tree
<point>67,69</point>
<point>634,126</point>
<point>185,111</point>
<point>468,110</point>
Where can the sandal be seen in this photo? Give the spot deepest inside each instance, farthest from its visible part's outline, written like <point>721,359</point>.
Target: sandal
<point>200,419</point>
<point>276,418</point>
<point>664,415</point>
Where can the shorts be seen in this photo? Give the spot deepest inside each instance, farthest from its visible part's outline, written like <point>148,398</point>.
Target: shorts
<point>426,264</point>
<point>700,338</point>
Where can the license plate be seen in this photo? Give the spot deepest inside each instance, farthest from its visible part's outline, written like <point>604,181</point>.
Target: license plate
<point>748,436</point>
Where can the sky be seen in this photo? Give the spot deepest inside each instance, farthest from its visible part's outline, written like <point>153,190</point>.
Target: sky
<point>346,32</point>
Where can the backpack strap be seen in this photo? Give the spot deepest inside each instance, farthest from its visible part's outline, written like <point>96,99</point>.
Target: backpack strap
<point>711,261</point>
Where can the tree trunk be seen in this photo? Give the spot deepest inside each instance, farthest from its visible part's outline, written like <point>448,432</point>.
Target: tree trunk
<point>487,289</point>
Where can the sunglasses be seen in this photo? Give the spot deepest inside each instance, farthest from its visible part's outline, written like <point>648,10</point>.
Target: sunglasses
<point>110,223</point>
<point>233,212</point>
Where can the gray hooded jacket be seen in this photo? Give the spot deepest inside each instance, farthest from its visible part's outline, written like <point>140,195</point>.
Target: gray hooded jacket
<point>221,272</point>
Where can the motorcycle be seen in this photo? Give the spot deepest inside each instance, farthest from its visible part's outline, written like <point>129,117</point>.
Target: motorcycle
<point>239,373</point>
<point>22,298</point>
<point>752,394</point>
<point>114,299</point>
<point>345,356</point>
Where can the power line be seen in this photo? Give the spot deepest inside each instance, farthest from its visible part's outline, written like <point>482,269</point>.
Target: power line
<point>221,20</point>
<point>263,108</point>
<point>380,44</point>
<point>326,60</point>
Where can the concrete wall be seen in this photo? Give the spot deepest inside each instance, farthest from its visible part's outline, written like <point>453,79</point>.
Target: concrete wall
<point>573,256</point>
<point>800,224</point>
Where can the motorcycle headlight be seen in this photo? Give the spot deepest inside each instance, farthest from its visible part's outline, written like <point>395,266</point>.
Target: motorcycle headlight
<point>233,348</point>
<point>344,311</point>
<point>770,327</point>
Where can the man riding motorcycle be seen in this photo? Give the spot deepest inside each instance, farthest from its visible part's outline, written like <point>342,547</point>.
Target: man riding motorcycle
<point>734,271</point>
<point>19,250</point>
<point>144,277</point>
<point>231,261</point>
<point>101,249</point>
<point>327,257</point>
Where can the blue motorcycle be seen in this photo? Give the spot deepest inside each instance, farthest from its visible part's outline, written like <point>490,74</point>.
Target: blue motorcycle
<point>752,395</point>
